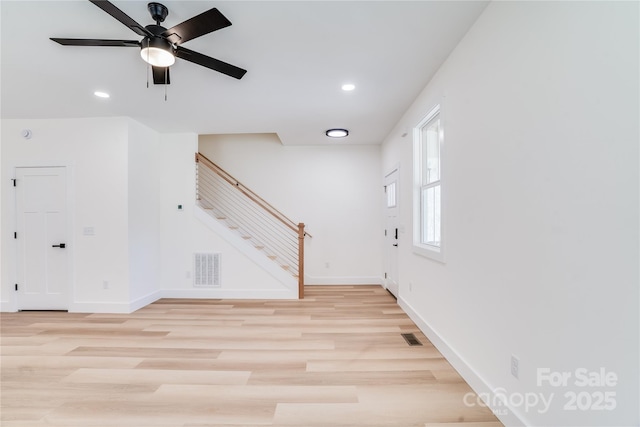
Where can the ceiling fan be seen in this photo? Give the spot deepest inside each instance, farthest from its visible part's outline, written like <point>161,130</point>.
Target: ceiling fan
<point>160,46</point>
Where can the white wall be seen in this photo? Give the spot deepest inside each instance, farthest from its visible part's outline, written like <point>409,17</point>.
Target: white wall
<point>335,190</point>
<point>144,214</point>
<point>540,194</point>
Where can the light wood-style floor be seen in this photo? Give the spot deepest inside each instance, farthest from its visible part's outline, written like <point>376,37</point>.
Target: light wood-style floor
<point>336,358</point>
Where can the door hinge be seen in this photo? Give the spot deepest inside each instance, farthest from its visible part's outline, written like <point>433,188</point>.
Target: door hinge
<point>15,234</point>
<point>14,181</point>
<point>16,286</point>
<point>385,276</point>
<point>385,232</point>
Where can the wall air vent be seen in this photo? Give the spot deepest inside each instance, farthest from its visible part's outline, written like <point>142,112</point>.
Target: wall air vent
<point>206,267</point>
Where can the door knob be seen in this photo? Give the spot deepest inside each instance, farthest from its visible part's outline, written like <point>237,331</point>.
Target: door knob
<point>61,246</point>
<point>395,244</point>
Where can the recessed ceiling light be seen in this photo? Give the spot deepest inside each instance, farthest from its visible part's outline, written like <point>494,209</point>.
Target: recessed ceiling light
<point>101,94</point>
<point>348,87</point>
<point>337,133</point>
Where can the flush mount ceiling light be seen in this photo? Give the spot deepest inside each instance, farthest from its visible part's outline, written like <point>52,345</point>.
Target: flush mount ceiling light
<point>347,87</point>
<point>101,94</point>
<point>337,133</point>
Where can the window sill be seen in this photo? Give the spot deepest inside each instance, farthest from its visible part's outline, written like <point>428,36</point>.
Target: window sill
<point>430,252</point>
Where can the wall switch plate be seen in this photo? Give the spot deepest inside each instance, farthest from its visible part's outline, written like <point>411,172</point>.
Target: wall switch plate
<point>515,366</point>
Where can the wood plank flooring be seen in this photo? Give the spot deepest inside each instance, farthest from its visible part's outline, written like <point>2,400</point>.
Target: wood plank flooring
<point>336,358</point>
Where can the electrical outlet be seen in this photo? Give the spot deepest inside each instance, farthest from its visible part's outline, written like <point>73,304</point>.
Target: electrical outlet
<point>515,366</point>
<point>105,284</point>
<point>327,265</point>
<point>187,275</point>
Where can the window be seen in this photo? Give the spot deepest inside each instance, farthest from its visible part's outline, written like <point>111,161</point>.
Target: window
<point>428,186</point>
<point>392,200</point>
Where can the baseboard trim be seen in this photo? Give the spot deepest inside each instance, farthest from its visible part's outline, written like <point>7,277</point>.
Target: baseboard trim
<point>8,307</point>
<point>229,293</point>
<point>144,301</point>
<point>100,307</point>
<point>114,307</point>
<point>507,415</point>
<point>342,280</point>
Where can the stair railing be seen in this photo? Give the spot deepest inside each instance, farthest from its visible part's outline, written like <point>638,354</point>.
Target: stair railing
<point>268,229</point>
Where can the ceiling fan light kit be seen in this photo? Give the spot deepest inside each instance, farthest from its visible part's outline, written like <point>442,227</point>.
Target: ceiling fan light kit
<point>158,52</point>
<point>160,46</point>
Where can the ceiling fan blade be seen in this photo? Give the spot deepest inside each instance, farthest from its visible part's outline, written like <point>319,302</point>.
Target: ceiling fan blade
<point>122,17</point>
<point>199,25</point>
<point>96,42</point>
<point>212,63</point>
<point>159,76</point>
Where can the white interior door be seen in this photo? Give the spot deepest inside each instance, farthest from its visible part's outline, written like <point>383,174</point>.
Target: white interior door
<point>391,231</point>
<point>41,207</point>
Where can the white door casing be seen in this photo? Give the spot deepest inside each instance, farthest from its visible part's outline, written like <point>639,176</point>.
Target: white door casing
<point>391,231</point>
<point>42,251</point>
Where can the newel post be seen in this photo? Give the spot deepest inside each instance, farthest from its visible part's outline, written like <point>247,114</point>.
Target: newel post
<point>301,260</point>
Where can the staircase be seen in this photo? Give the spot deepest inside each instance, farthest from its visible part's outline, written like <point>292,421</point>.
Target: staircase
<point>241,212</point>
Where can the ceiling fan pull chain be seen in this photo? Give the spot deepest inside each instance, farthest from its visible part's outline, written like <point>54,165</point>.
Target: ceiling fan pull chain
<point>148,66</point>
<point>166,70</point>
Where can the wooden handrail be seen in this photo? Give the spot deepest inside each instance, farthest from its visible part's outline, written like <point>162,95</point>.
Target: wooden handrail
<point>249,193</point>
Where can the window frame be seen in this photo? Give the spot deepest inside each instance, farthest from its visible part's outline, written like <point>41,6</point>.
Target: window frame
<point>419,163</point>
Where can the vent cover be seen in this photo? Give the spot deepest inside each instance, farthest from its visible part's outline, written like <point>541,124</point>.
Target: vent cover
<point>206,267</point>
<point>411,339</point>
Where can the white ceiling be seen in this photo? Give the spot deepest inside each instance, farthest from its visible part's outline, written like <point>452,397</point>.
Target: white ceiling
<point>297,53</point>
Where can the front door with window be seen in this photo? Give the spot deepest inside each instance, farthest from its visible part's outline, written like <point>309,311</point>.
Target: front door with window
<point>41,207</point>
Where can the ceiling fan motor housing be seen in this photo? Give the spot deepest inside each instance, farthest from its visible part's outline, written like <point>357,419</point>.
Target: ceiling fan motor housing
<point>156,30</point>
<point>158,41</point>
